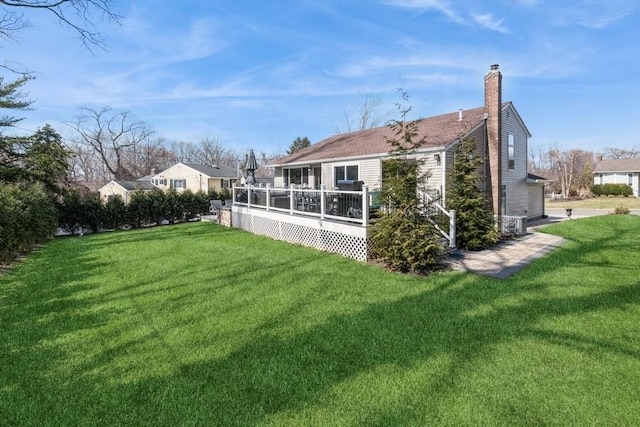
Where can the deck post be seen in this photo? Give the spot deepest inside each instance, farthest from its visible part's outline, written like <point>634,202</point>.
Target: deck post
<point>452,228</point>
<point>268,201</point>
<point>365,205</point>
<point>292,200</point>
<point>323,201</point>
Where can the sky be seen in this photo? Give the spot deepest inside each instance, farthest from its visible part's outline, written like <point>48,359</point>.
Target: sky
<point>256,74</point>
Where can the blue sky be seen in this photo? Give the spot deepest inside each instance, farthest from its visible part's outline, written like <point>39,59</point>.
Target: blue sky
<point>257,74</point>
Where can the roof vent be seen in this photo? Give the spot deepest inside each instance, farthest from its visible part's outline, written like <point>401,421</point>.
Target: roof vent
<point>460,115</point>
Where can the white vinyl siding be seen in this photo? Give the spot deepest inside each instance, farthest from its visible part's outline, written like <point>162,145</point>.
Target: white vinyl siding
<point>370,172</point>
<point>629,178</point>
<point>435,172</point>
<point>536,196</point>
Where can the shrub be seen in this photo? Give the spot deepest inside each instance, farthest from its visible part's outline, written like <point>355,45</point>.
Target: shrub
<point>71,212</point>
<point>620,210</point>
<point>406,244</point>
<point>612,190</point>
<point>28,217</point>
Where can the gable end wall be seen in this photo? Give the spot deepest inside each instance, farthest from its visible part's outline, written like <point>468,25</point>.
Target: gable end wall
<point>515,180</point>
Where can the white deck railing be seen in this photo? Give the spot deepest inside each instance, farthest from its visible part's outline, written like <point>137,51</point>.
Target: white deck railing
<point>338,205</point>
<point>351,207</point>
<point>433,208</point>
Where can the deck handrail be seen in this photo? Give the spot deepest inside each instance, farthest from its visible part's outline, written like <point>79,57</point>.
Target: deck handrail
<point>339,205</point>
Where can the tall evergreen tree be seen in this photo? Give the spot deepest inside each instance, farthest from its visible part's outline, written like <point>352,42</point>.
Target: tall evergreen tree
<point>11,98</point>
<point>403,238</point>
<point>475,226</point>
<point>298,144</point>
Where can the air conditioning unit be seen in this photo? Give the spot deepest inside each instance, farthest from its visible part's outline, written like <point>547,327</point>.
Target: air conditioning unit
<point>513,225</point>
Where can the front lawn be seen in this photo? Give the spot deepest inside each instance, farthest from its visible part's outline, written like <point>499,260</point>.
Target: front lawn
<point>602,202</point>
<point>198,324</point>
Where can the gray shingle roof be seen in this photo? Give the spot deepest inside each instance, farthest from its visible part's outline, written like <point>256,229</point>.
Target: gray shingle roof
<point>214,171</point>
<point>617,165</point>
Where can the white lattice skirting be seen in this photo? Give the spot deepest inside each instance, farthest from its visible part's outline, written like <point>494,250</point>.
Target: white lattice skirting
<point>349,240</point>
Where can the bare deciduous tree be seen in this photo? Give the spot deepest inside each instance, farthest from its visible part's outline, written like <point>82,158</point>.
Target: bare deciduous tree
<point>80,15</point>
<point>571,171</point>
<point>116,137</point>
<point>366,115</point>
<point>619,153</point>
<point>209,151</point>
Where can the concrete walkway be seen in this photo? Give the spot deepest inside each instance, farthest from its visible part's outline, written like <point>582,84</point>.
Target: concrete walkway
<point>509,257</point>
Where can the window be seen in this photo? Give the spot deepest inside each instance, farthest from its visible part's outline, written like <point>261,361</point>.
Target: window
<point>159,182</point>
<point>178,183</point>
<point>504,199</point>
<point>226,183</point>
<point>630,179</point>
<point>512,152</point>
<point>345,172</point>
<point>298,176</point>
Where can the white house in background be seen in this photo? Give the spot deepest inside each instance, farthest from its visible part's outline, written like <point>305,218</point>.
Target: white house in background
<point>181,177</point>
<point>501,139</point>
<point>618,171</point>
<point>188,176</point>
<point>123,189</point>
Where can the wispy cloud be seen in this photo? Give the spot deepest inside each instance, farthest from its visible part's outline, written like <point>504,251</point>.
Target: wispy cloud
<point>488,21</point>
<point>594,14</point>
<point>442,6</point>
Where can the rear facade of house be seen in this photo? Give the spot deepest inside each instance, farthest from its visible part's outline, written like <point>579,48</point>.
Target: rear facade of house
<point>499,133</point>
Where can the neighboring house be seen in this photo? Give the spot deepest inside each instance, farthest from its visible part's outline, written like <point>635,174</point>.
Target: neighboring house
<point>498,130</point>
<point>618,171</point>
<point>187,176</point>
<point>181,176</point>
<point>123,189</point>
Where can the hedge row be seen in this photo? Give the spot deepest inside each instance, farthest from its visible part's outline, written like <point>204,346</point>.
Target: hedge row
<point>27,217</point>
<point>612,190</point>
<point>144,208</point>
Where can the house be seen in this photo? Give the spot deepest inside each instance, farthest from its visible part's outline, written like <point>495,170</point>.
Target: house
<point>181,176</point>
<point>188,176</point>
<point>498,130</point>
<point>123,189</point>
<point>618,171</point>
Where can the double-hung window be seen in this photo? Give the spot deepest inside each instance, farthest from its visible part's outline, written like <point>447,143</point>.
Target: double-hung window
<point>345,172</point>
<point>512,152</point>
<point>178,183</point>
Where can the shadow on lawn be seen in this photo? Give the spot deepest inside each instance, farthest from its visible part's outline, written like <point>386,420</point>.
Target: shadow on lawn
<point>456,322</point>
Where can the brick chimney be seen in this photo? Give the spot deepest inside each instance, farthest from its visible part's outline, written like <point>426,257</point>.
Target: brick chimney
<point>493,106</point>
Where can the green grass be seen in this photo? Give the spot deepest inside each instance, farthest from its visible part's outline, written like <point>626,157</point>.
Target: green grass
<point>596,203</point>
<point>198,324</point>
